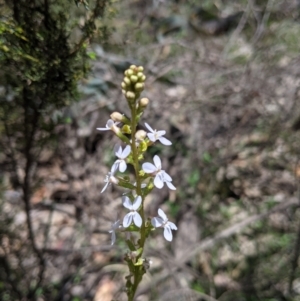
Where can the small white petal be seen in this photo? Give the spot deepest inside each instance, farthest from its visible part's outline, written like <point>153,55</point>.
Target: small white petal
<point>137,203</point>
<point>168,233</point>
<point>157,222</point>
<point>166,177</point>
<point>137,219</point>
<point>126,202</point>
<point>115,165</point>
<point>126,151</point>
<point>148,167</point>
<point>104,188</point>
<point>118,150</point>
<point>158,181</point>
<point>122,166</point>
<point>157,162</point>
<point>127,220</point>
<point>116,225</point>
<point>149,127</point>
<point>170,185</point>
<point>162,215</point>
<point>113,169</point>
<point>113,237</point>
<point>151,137</point>
<point>164,141</point>
<point>102,129</point>
<point>172,226</point>
<point>160,133</point>
<point>110,123</point>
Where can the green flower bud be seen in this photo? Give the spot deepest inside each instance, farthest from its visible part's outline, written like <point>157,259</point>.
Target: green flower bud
<point>129,72</point>
<point>140,68</point>
<point>126,129</point>
<point>127,81</point>
<point>124,91</point>
<point>123,85</point>
<point>133,78</point>
<point>132,67</point>
<point>130,95</point>
<point>118,117</point>
<point>143,102</point>
<point>150,186</point>
<point>140,75</point>
<point>143,146</point>
<point>139,262</point>
<point>142,79</point>
<point>139,87</point>
<point>140,135</point>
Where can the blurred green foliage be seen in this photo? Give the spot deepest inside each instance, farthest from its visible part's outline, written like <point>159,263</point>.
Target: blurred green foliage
<point>44,52</point>
<point>41,59</point>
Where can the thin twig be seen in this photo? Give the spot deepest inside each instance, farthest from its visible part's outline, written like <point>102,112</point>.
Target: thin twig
<point>238,30</point>
<point>261,27</point>
<point>47,228</point>
<point>30,129</point>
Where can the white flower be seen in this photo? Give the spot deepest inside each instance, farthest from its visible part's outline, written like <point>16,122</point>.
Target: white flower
<point>110,178</point>
<point>161,176</point>
<point>133,214</point>
<point>162,221</point>
<point>110,126</point>
<point>157,135</point>
<point>114,227</point>
<point>122,155</point>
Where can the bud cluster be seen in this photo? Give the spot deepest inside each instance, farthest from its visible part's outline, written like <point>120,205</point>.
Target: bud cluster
<point>133,83</point>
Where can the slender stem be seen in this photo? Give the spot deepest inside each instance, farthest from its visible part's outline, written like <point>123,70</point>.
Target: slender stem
<point>137,169</point>
<point>30,129</point>
<point>134,150</point>
<point>138,273</point>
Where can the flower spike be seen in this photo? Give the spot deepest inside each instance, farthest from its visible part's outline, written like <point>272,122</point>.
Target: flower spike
<point>136,224</point>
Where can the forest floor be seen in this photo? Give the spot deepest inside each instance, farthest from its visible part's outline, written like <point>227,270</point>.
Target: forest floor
<point>229,102</point>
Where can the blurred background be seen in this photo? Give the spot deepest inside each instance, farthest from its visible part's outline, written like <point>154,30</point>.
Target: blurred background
<point>222,80</point>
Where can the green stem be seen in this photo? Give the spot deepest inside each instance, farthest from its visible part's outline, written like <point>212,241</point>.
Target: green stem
<point>137,279</point>
<point>138,272</point>
<point>137,175</point>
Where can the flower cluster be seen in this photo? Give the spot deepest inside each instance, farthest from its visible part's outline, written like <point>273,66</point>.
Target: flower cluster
<point>147,175</point>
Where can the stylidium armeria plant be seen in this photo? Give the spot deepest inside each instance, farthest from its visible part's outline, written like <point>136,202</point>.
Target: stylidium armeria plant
<point>147,176</point>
